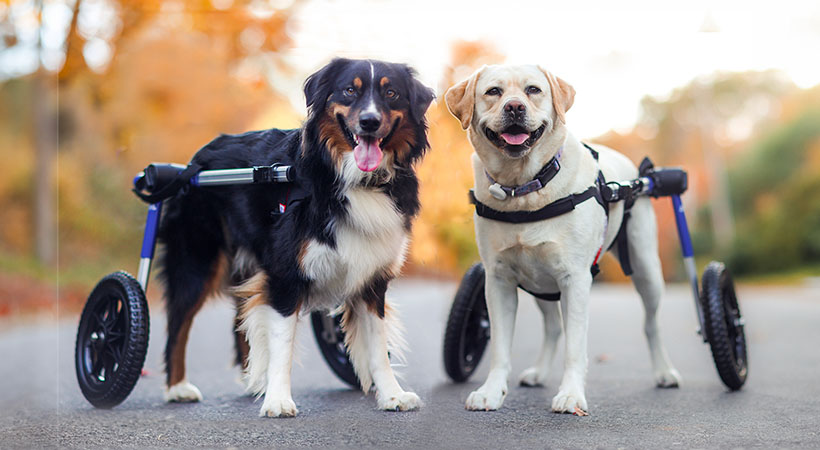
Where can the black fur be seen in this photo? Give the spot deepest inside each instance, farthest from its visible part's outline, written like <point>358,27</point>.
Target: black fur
<point>200,226</point>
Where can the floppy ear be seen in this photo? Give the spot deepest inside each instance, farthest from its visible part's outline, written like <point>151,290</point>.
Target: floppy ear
<point>317,86</point>
<point>460,99</point>
<point>420,96</point>
<point>563,95</point>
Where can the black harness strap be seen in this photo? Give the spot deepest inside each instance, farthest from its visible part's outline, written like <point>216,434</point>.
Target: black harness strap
<point>625,193</point>
<point>600,191</point>
<point>554,209</point>
<point>549,296</point>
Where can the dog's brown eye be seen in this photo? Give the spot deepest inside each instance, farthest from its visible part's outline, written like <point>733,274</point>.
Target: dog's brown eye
<point>493,91</point>
<point>350,91</point>
<point>391,94</point>
<point>531,90</point>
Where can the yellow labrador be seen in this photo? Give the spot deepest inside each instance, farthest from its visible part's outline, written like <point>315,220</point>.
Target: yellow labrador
<point>515,120</point>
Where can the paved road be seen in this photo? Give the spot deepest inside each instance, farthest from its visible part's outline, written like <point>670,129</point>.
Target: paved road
<point>41,405</point>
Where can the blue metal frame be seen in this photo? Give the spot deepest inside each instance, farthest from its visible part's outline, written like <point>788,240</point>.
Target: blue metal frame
<point>688,258</point>
<point>149,243</point>
<point>149,240</point>
<point>683,228</point>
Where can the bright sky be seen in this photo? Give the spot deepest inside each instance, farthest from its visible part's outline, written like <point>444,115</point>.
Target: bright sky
<point>612,52</point>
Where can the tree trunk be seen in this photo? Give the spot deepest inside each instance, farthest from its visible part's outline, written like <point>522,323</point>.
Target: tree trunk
<point>45,145</point>
<point>44,98</point>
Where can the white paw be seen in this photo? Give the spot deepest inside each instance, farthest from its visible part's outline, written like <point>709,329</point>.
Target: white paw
<point>532,377</point>
<point>668,379</point>
<point>404,401</point>
<point>278,407</point>
<point>570,402</point>
<point>183,392</point>
<point>486,400</point>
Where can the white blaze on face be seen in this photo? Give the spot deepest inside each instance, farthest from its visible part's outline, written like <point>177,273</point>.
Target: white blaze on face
<point>368,152</point>
<point>371,106</point>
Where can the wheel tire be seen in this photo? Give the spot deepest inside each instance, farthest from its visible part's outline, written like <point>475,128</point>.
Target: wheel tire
<point>112,340</point>
<point>724,325</point>
<point>468,326</point>
<point>332,345</point>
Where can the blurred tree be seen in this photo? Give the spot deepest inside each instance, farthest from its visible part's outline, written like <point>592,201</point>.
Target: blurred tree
<point>699,126</point>
<point>444,237</point>
<point>775,190</point>
<point>140,81</point>
<point>23,35</point>
<point>704,121</point>
<point>45,146</point>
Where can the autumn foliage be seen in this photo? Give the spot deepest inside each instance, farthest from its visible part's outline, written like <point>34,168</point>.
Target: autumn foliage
<point>180,73</point>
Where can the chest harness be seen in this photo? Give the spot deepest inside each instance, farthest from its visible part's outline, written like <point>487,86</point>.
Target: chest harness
<point>602,191</point>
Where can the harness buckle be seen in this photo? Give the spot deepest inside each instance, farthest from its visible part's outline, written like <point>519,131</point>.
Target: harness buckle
<point>612,194</point>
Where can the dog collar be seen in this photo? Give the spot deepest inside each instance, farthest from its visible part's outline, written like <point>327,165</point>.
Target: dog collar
<point>541,179</point>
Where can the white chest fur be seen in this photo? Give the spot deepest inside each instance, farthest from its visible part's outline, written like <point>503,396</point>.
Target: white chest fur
<point>371,239</point>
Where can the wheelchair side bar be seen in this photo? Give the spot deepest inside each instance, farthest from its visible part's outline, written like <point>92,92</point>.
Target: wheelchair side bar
<point>276,173</point>
<point>223,177</point>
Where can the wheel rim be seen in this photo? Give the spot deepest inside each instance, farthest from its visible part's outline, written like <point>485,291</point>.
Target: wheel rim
<point>330,338</point>
<point>104,341</point>
<point>340,352</point>
<point>734,326</point>
<point>476,331</point>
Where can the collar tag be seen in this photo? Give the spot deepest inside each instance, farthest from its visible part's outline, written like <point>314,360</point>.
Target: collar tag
<point>497,191</point>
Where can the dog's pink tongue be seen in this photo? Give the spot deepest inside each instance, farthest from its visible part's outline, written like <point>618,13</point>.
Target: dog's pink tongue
<point>368,154</point>
<point>515,139</point>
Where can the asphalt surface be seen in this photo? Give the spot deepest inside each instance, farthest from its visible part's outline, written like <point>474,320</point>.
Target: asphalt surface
<point>41,404</point>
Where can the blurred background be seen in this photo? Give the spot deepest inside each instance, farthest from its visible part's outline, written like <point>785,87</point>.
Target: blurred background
<point>91,91</point>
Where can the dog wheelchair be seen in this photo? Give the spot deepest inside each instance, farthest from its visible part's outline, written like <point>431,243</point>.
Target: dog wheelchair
<point>720,323</point>
<point>112,336</point>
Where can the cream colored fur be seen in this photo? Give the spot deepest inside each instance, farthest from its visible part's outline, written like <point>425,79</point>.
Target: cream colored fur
<point>555,254</point>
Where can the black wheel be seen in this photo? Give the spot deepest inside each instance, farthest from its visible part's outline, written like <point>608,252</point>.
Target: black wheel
<point>331,340</point>
<point>724,325</point>
<point>112,340</point>
<point>468,327</point>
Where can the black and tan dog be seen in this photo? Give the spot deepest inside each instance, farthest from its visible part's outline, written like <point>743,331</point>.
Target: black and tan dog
<point>336,240</point>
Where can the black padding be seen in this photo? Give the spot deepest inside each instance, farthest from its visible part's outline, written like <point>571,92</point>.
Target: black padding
<point>162,181</point>
<point>668,181</point>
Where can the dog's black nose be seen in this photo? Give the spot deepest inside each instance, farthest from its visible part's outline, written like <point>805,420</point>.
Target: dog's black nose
<point>515,109</point>
<point>369,122</point>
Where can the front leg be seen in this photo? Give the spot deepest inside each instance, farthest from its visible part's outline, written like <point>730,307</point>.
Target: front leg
<point>502,304</point>
<point>270,336</point>
<point>370,332</point>
<point>575,305</point>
